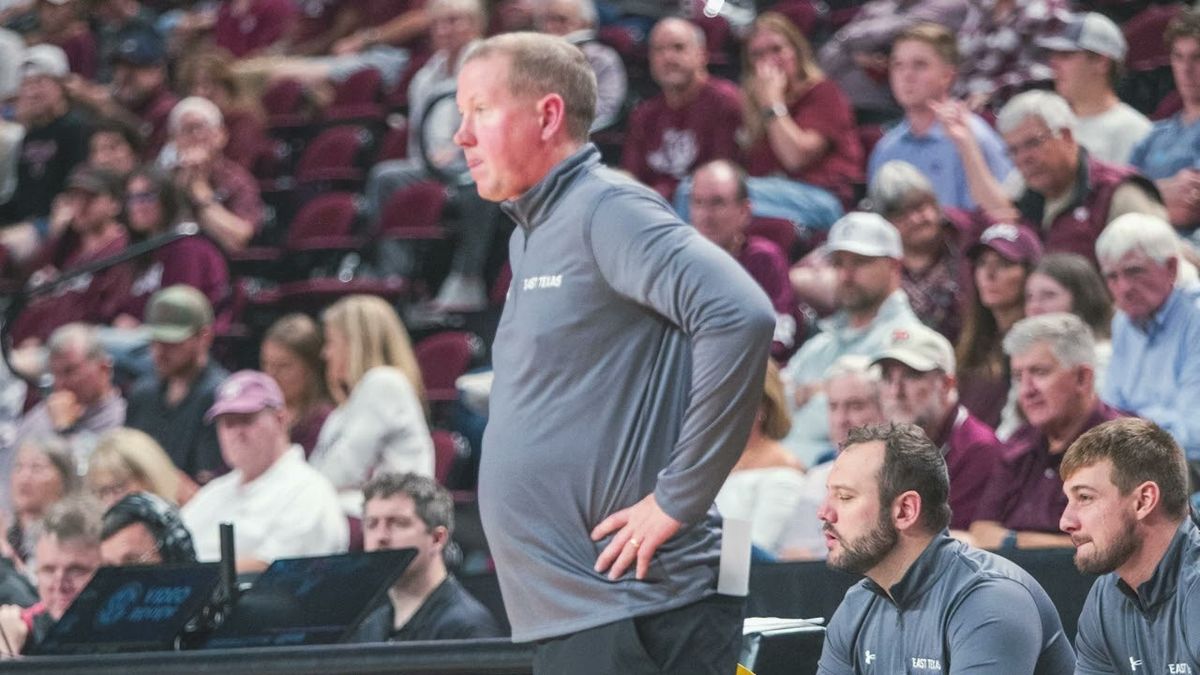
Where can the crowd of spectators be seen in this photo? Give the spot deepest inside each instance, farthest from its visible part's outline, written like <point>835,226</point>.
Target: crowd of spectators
<point>959,222</point>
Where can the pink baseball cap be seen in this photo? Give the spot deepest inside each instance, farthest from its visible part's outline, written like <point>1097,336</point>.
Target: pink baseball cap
<point>244,392</point>
<point>1014,243</point>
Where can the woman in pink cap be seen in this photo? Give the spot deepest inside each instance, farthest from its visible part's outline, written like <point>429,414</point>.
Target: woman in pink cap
<point>1000,263</point>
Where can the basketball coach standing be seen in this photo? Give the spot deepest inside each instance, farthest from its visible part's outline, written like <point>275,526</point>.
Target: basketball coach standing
<point>628,370</point>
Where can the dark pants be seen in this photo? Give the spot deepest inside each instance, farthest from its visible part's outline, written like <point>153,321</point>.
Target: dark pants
<point>697,639</point>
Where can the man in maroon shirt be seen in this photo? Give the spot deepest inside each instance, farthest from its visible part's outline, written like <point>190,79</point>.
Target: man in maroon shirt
<point>720,209</point>
<point>1068,196</point>
<point>224,197</point>
<point>89,208</point>
<point>694,119</point>
<point>1053,364</point>
<point>919,388</point>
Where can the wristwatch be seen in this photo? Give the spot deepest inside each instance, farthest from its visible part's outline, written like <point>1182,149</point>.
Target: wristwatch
<point>1009,543</point>
<point>777,110</point>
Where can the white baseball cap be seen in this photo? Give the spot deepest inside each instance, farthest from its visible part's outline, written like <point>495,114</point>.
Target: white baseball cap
<point>45,60</point>
<point>919,347</point>
<point>864,233</point>
<point>1089,32</point>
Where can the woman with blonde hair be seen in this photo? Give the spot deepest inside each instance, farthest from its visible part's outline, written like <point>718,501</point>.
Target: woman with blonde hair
<point>766,485</point>
<point>291,355</point>
<point>128,460</point>
<point>379,422</point>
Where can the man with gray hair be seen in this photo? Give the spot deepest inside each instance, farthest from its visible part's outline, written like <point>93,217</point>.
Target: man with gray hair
<point>1068,196</point>
<point>935,273</point>
<point>1053,358</point>
<point>224,197</point>
<point>83,403</point>
<point>599,507</point>
<point>1155,367</point>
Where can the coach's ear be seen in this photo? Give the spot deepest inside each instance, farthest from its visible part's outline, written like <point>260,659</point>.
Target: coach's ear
<point>1146,498</point>
<point>906,510</point>
<point>552,115</point>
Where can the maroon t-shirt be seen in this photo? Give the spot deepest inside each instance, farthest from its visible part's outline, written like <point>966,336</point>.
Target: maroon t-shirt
<point>766,264</point>
<point>825,110</point>
<point>91,298</point>
<point>972,453</point>
<point>1025,493</point>
<point>82,53</point>
<point>153,114</point>
<point>195,262</point>
<point>236,190</point>
<point>663,145</point>
<point>261,25</point>
<point>247,135</point>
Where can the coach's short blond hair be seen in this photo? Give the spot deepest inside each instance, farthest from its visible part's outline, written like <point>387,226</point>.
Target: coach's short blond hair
<point>542,64</point>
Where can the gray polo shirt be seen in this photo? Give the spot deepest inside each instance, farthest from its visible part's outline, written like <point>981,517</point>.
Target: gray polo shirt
<point>1154,629</point>
<point>629,360</point>
<point>957,610</point>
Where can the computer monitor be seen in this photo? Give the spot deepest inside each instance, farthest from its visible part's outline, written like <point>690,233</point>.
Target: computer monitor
<point>304,601</point>
<point>131,609</point>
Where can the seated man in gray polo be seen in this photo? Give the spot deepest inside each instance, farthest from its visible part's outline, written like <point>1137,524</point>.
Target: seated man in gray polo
<point>1127,514</point>
<point>929,603</point>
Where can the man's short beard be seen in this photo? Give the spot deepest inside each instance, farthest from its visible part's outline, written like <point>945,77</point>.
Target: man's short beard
<point>1121,550</point>
<point>864,553</point>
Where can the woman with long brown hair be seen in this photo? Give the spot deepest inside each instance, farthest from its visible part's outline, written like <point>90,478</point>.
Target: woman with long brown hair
<point>1000,262</point>
<point>291,355</point>
<point>797,125</point>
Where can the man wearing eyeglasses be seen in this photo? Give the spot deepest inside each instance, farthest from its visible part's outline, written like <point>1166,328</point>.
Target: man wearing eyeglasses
<point>1065,194</point>
<point>68,554</point>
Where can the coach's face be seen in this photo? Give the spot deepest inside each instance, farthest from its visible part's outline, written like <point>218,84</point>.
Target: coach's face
<point>500,133</point>
<point>859,531</point>
<point>1099,519</point>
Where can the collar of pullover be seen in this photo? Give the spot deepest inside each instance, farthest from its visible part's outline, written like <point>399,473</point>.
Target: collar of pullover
<point>532,208</point>
<point>1163,585</point>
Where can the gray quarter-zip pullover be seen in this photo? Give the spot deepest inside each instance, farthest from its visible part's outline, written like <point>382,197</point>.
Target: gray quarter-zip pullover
<point>629,360</point>
<point>957,610</point>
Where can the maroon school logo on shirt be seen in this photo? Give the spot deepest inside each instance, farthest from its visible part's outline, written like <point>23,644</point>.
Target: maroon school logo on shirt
<point>676,154</point>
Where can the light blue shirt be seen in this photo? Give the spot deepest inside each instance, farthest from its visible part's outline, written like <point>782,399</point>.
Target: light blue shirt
<point>935,155</point>
<point>1171,147</point>
<point>809,437</point>
<point>1155,368</point>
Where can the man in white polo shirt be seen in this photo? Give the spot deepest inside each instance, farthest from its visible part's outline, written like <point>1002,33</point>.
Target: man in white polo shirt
<point>280,507</point>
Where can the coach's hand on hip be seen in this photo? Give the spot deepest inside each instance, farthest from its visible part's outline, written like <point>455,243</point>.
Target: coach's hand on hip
<point>640,529</point>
